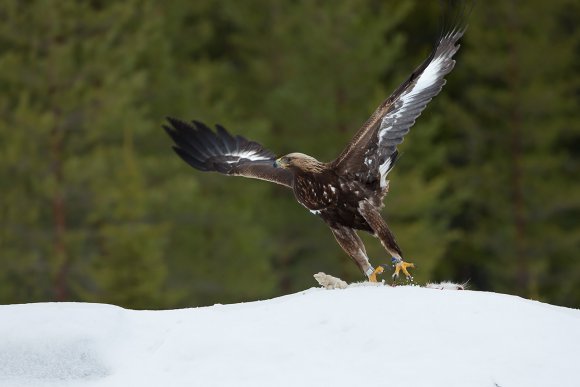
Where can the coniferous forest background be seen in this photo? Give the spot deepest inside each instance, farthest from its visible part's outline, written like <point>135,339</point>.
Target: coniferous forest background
<point>95,206</point>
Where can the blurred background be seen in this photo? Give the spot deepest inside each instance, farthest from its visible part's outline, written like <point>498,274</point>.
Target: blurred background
<point>95,206</point>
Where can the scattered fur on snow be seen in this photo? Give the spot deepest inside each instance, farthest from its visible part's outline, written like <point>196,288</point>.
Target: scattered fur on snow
<point>446,285</point>
<point>329,282</point>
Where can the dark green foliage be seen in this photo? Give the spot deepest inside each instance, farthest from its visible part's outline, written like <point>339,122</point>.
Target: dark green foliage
<point>511,193</point>
<point>95,206</point>
<point>77,221</point>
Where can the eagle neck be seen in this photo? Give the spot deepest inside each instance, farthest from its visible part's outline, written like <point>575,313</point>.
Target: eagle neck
<point>307,175</point>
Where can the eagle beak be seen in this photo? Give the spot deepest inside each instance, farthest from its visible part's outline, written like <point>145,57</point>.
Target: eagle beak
<point>280,163</point>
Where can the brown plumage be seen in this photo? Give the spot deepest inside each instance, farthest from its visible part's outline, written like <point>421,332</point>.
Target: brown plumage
<point>348,192</point>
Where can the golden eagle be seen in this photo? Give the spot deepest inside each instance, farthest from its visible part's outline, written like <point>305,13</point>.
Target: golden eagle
<point>348,192</point>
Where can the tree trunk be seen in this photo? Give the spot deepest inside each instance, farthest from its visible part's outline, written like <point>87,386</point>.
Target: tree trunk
<point>59,215</point>
<point>516,154</point>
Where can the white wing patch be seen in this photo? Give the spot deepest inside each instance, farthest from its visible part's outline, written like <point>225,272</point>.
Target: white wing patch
<point>429,76</point>
<point>249,155</point>
<point>384,171</point>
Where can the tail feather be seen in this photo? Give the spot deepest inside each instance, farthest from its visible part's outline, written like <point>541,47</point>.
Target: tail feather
<point>392,160</point>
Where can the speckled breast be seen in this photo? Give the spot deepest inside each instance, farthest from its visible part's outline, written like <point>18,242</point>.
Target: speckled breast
<point>335,201</point>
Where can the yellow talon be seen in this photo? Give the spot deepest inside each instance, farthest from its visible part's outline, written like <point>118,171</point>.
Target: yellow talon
<point>402,265</point>
<point>373,276</point>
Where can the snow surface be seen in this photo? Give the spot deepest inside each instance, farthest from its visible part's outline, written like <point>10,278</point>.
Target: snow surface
<point>403,336</point>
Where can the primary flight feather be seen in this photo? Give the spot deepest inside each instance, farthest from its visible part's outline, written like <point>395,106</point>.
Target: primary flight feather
<point>348,192</point>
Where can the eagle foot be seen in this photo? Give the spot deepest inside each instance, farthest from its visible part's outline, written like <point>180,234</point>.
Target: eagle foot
<point>401,265</point>
<point>373,275</point>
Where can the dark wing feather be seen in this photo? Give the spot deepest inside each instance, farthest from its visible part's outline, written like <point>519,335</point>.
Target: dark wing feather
<point>219,151</point>
<point>371,153</point>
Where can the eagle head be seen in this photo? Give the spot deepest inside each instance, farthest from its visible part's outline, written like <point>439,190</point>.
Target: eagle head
<point>299,161</point>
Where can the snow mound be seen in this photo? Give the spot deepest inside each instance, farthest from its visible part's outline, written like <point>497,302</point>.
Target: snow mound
<point>402,336</point>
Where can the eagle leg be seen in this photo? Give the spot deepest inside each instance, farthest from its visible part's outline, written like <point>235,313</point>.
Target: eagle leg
<point>351,243</point>
<point>381,230</point>
<point>373,275</point>
<point>401,265</point>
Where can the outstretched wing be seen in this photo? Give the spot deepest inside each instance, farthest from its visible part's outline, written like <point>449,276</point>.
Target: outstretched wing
<point>221,152</point>
<point>371,153</point>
